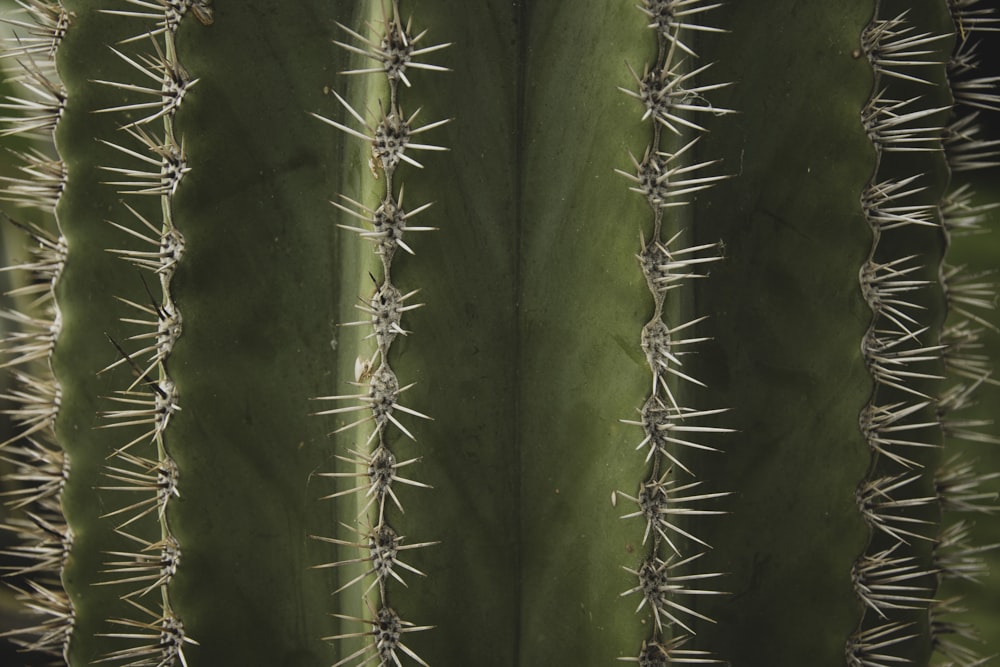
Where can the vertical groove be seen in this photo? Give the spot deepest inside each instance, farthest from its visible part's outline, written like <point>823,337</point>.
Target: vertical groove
<point>521,14</point>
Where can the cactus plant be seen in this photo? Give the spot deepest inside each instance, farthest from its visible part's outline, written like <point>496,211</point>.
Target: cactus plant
<point>669,370</point>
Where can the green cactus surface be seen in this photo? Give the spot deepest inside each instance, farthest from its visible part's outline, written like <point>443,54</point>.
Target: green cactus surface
<point>428,332</point>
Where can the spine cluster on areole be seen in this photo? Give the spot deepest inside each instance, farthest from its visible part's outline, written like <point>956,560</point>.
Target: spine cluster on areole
<point>39,466</point>
<point>924,377</point>
<point>675,103</point>
<point>392,50</point>
<point>141,475</point>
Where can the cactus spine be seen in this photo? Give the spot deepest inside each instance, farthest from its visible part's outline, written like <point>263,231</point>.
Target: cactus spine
<point>894,578</point>
<point>40,464</point>
<point>836,347</point>
<point>393,138</point>
<point>876,493</point>
<point>142,467</point>
<point>674,96</point>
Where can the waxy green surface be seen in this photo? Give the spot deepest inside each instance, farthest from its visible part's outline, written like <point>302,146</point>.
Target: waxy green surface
<point>526,353</point>
<point>789,318</point>
<point>522,461</point>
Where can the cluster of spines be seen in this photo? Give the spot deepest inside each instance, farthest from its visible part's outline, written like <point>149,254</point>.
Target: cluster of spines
<point>140,470</point>
<point>391,50</point>
<point>970,297</point>
<point>922,376</point>
<point>675,106</point>
<point>39,465</point>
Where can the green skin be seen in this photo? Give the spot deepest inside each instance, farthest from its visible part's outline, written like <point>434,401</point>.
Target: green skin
<point>794,252</point>
<point>526,353</point>
<point>789,281</point>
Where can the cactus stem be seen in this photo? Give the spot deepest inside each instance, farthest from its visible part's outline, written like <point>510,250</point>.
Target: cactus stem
<point>672,96</point>
<point>392,46</point>
<point>39,462</point>
<point>150,400</point>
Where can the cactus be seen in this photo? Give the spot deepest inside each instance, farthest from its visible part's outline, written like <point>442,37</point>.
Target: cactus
<point>671,369</point>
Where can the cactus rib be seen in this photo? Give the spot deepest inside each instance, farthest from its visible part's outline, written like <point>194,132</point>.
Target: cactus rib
<point>41,467</point>
<point>395,49</point>
<point>143,468</point>
<point>666,177</point>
